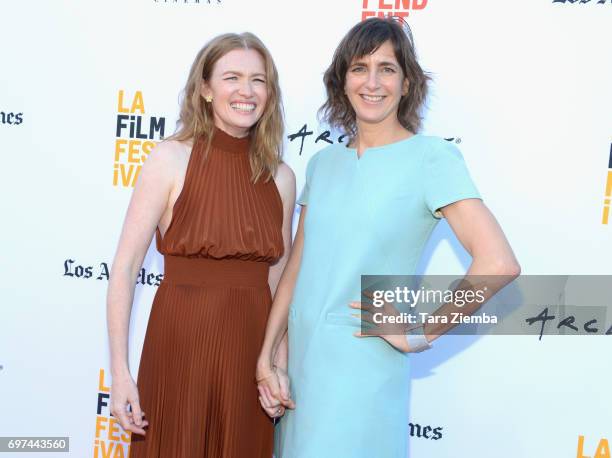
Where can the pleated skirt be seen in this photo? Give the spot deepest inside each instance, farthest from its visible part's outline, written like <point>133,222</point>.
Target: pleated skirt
<point>196,379</point>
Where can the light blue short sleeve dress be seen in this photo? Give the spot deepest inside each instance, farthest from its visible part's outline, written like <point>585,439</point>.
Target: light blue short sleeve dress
<point>369,215</point>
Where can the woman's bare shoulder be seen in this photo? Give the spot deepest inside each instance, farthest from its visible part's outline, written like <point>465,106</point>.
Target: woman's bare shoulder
<point>172,149</point>
<point>284,173</point>
<point>285,183</point>
<point>169,154</point>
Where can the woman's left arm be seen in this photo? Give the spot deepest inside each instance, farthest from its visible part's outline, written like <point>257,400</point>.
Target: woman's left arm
<point>481,235</point>
<point>493,267</point>
<point>492,257</point>
<point>285,183</point>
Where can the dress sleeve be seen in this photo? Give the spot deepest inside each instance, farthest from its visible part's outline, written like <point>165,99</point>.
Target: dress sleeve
<point>303,199</point>
<point>447,178</point>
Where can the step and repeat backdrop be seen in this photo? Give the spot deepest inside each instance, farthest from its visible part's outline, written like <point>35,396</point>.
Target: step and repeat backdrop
<point>521,87</point>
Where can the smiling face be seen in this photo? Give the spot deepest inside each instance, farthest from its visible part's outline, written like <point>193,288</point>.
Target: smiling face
<point>374,86</point>
<point>239,91</point>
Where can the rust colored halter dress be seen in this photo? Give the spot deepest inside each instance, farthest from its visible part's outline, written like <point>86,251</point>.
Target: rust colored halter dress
<point>207,322</point>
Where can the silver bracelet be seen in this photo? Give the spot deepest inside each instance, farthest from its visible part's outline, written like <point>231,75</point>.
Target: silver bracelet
<point>417,342</point>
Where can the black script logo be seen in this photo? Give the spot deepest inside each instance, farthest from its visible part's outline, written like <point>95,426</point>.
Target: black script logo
<point>599,2</point>
<point>7,117</point>
<point>304,133</point>
<point>568,324</point>
<point>102,272</point>
<point>426,432</point>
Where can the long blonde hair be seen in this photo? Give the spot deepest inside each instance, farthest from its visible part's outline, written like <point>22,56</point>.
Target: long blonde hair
<point>196,116</point>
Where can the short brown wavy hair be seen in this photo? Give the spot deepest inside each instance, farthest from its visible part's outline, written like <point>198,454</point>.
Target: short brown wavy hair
<point>365,38</point>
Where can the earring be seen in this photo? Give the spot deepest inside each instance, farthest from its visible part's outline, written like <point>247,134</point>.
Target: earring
<point>208,98</point>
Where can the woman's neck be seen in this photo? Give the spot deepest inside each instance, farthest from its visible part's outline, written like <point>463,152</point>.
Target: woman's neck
<point>372,135</point>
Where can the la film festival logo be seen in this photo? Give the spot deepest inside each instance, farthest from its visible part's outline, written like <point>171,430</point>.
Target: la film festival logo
<point>605,218</point>
<point>110,441</point>
<point>136,135</point>
<point>601,448</point>
<point>387,8</point>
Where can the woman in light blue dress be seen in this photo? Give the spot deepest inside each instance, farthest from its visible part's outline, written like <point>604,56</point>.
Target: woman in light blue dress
<point>368,208</point>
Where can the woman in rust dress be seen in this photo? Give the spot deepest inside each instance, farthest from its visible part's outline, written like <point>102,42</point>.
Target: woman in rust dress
<point>220,203</point>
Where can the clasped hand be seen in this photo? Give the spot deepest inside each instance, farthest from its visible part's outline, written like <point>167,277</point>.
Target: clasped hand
<point>274,393</point>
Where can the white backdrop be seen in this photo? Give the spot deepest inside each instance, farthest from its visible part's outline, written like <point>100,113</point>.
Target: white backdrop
<point>522,87</point>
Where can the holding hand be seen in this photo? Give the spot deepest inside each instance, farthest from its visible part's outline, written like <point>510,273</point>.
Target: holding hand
<point>274,393</point>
